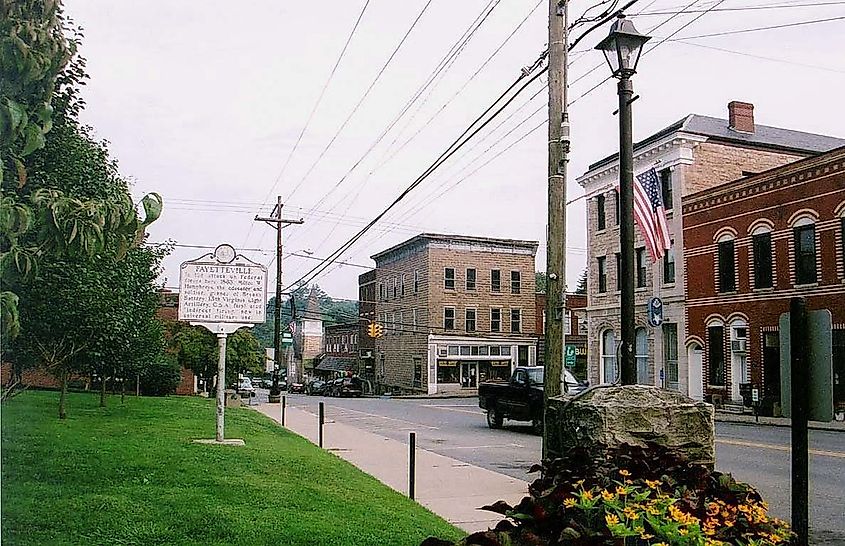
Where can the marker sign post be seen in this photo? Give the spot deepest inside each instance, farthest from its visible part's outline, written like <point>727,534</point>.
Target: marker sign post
<point>222,292</point>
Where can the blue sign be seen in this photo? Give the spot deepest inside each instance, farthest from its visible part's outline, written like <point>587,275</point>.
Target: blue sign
<point>655,312</point>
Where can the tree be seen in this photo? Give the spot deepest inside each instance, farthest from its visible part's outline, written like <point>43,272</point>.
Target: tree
<point>195,348</point>
<point>243,353</point>
<point>582,283</point>
<point>540,281</point>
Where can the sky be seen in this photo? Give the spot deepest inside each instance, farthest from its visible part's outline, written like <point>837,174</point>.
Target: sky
<point>204,101</point>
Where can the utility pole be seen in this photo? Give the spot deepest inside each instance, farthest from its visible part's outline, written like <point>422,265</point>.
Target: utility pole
<point>278,223</point>
<point>556,234</point>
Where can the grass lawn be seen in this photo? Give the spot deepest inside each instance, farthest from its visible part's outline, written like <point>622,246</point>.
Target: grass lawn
<point>130,475</point>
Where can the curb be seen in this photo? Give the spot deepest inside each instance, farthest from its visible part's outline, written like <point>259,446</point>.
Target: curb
<point>834,426</point>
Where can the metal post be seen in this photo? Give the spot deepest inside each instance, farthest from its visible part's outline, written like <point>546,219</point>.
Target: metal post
<point>626,230</point>
<point>556,228</point>
<point>412,465</point>
<point>799,346</point>
<point>221,385</point>
<point>320,426</point>
<point>282,421</point>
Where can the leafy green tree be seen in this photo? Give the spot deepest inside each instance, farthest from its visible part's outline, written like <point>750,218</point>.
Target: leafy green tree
<point>540,281</point>
<point>194,348</point>
<point>243,353</point>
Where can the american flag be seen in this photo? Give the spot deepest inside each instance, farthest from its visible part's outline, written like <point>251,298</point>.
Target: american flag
<point>650,214</point>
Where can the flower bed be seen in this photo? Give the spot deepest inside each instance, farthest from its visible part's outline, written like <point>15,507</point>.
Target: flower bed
<point>633,497</point>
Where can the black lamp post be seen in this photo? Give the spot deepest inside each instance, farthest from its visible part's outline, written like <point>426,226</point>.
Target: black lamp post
<point>622,49</point>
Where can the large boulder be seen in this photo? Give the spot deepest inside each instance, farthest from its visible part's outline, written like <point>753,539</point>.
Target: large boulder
<point>611,415</point>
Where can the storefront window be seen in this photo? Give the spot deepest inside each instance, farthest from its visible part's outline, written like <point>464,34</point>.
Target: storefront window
<point>447,371</point>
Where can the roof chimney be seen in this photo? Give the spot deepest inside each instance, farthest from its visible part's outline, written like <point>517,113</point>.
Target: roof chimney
<point>741,116</point>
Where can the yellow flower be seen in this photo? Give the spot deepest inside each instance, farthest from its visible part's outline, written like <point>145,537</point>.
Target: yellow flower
<point>569,503</point>
<point>611,519</point>
<point>683,532</point>
<point>579,483</point>
<point>624,473</point>
<point>586,495</point>
<point>630,514</point>
<point>607,495</point>
<point>628,482</point>
<point>712,509</point>
<point>621,491</point>
<point>660,544</point>
<point>653,483</point>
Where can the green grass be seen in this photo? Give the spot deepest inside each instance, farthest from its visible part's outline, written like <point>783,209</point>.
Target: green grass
<point>130,475</point>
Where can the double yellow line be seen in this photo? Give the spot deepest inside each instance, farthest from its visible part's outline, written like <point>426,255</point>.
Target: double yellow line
<point>775,447</point>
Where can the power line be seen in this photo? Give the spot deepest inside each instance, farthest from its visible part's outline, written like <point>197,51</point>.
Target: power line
<point>748,8</point>
<point>757,29</point>
<point>362,98</point>
<point>754,56</point>
<point>313,109</point>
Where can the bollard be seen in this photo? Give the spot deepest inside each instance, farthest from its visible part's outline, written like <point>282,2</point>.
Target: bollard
<point>283,411</point>
<point>412,464</point>
<point>799,348</point>
<point>320,427</point>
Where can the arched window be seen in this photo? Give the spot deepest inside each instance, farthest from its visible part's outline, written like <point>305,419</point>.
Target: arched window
<point>610,370</point>
<point>726,261</point>
<point>761,245</point>
<point>716,353</point>
<point>804,245</point>
<point>641,354</point>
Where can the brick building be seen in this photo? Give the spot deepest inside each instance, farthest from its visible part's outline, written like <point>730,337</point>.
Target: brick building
<point>755,243</point>
<point>366,314</point>
<point>456,310</point>
<point>691,155</point>
<point>575,334</point>
<point>340,353</point>
<point>308,337</point>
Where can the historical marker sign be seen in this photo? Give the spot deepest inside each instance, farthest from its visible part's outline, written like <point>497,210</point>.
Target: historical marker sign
<point>214,292</point>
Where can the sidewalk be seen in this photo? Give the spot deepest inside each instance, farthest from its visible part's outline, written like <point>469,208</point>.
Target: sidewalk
<point>724,417</point>
<point>450,488</point>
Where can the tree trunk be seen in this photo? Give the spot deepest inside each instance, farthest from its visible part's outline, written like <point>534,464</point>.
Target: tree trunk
<point>62,396</point>
<point>103,392</point>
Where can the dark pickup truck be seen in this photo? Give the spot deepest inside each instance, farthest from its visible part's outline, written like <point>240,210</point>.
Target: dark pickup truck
<point>521,398</point>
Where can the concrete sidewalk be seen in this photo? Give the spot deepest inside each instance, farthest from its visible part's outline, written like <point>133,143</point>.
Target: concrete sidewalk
<point>450,488</point>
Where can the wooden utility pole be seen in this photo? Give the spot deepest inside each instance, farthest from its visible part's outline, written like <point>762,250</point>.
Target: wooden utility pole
<point>277,223</point>
<point>556,230</point>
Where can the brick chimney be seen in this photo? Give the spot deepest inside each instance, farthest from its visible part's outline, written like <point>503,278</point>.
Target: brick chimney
<point>741,116</point>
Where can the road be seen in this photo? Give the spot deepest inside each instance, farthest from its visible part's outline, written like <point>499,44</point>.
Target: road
<point>457,428</point>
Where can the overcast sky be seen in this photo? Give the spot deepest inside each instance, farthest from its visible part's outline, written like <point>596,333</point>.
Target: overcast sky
<point>203,101</point>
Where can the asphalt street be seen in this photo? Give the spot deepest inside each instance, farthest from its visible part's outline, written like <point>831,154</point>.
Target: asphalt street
<point>457,428</point>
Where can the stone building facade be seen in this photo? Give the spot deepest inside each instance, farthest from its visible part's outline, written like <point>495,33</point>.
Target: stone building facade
<point>308,337</point>
<point>691,155</point>
<point>341,351</point>
<point>574,331</point>
<point>366,314</point>
<point>456,311</point>
<point>754,244</point>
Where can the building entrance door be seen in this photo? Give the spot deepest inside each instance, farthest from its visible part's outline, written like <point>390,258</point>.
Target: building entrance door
<point>696,378</point>
<point>469,375</point>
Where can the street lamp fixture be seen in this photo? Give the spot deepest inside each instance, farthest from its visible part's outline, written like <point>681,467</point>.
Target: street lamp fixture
<point>622,49</point>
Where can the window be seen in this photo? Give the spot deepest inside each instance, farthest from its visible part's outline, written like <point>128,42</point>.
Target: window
<point>447,371</point>
<point>567,321</point>
<point>618,200</point>
<point>449,318</point>
<point>495,320</point>
<point>416,281</point>
<point>602,273</point>
<point>516,320</point>
<point>602,219</point>
<point>522,355</point>
<point>762,248</point>
<point>716,354</point>
<point>842,239</point>
<point>805,254</point>
<point>495,280</point>
<point>401,324</point>
<point>402,285</point>
<point>469,320</point>
<point>414,319</point>
<point>618,271</point>
<point>641,267</point>
<point>470,279</point>
<point>669,264</point>
<point>610,372</point>
<point>666,188</point>
<point>727,281</point>
<point>449,278</point>
<point>417,371</point>
<point>670,353</point>
<point>641,355</point>
<point>393,284</point>
<point>515,282</point>
<point>381,291</point>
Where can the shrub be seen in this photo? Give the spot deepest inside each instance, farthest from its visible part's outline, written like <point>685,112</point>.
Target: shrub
<point>160,377</point>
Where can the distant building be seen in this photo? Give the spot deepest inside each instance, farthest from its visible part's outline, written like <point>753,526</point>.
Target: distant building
<point>341,351</point>
<point>309,335</point>
<point>456,310</point>
<point>574,330</point>
<point>691,155</point>
<point>753,244</point>
<point>366,314</point>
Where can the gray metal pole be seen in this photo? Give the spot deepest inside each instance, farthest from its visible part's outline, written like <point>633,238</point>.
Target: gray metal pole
<point>283,412</point>
<point>221,385</point>
<point>626,230</point>
<point>799,366</point>
<point>321,420</point>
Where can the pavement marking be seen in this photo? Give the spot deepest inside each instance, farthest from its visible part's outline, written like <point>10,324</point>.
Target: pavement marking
<point>454,408</point>
<point>820,452</point>
<point>417,425</point>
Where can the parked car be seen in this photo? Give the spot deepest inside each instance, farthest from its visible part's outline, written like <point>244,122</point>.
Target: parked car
<point>315,387</point>
<point>345,386</point>
<point>245,387</point>
<point>296,388</point>
<point>266,383</point>
<point>521,398</point>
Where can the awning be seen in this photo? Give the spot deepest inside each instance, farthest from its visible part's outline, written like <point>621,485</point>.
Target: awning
<point>335,364</point>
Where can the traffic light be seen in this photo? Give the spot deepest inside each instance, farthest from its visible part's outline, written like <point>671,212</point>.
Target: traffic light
<point>375,329</point>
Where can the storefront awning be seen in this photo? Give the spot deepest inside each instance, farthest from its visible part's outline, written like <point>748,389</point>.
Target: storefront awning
<point>335,364</point>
